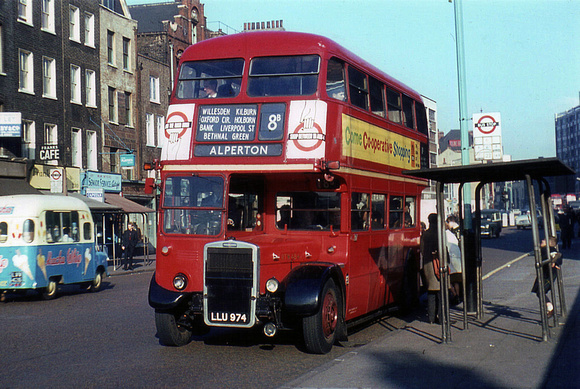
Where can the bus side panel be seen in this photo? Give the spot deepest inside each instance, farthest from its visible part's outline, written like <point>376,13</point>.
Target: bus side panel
<point>31,267</point>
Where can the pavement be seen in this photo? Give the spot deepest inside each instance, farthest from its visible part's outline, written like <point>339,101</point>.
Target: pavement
<point>503,349</point>
<point>140,264</point>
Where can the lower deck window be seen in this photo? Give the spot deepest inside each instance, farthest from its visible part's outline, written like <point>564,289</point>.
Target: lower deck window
<point>308,210</point>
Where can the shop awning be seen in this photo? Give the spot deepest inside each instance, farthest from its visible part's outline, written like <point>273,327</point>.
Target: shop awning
<point>15,186</point>
<point>126,205</point>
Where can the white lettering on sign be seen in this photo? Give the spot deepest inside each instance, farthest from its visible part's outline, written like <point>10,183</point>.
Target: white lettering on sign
<point>50,154</point>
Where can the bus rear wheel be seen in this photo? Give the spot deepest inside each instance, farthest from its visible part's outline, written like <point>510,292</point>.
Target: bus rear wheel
<point>49,292</point>
<point>320,329</point>
<point>169,331</point>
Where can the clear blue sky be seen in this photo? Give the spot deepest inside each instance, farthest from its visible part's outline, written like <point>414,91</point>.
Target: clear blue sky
<point>522,56</point>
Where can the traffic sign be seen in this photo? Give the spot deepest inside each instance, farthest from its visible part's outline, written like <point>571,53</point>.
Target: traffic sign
<point>56,180</point>
<point>487,142</point>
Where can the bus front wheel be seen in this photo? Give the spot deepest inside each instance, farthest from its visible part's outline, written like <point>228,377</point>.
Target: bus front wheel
<point>49,292</point>
<point>169,331</point>
<point>320,329</point>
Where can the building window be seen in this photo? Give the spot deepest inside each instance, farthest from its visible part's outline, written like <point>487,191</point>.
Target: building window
<point>89,29</point>
<point>25,11</point>
<point>92,150</point>
<point>75,84</point>
<point>26,83</point>
<point>28,139</point>
<point>124,104</point>
<point>110,47</point>
<point>126,58</point>
<point>48,78</point>
<point>91,88</point>
<point>128,109</point>
<point>47,16</point>
<point>76,147</point>
<point>154,89</point>
<point>74,19</point>
<point>50,134</point>
<point>112,106</point>
<point>161,131</point>
<point>150,124</point>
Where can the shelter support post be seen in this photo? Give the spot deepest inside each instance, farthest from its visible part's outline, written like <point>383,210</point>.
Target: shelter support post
<point>462,248</point>
<point>538,260</point>
<point>478,250</point>
<point>550,225</point>
<point>444,268</point>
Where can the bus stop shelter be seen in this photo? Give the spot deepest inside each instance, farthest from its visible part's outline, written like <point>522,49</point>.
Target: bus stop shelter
<point>534,173</point>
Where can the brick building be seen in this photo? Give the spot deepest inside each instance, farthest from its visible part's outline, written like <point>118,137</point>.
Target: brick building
<point>49,70</point>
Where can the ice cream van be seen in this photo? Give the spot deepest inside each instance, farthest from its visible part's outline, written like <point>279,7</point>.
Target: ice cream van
<point>46,241</point>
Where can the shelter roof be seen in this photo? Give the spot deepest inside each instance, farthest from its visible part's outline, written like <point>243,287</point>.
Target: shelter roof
<point>495,172</point>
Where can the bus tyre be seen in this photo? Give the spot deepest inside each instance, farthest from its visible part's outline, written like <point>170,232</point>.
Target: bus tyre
<point>97,281</point>
<point>169,331</point>
<point>320,329</point>
<point>49,292</point>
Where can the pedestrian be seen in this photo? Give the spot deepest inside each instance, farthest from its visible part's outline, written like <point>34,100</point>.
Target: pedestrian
<point>455,268</point>
<point>566,222</point>
<point>431,268</point>
<point>556,263</point>
<point>130,239</point>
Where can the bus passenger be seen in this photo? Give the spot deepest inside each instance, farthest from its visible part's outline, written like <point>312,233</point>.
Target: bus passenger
<point>210,89</point>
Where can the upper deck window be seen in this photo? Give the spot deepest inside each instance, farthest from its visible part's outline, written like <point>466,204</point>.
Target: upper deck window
<point>335,80</point>
<point>394,105</point>
<point>358,88</point>
<point>208,79</point>
<point>408,112</point>
<point>421,117</point>
<point>377,97</point>
<point>284,76</point>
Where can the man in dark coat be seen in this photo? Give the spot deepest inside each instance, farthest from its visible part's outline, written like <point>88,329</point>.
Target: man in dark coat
<point>566,221</point>
<point>429,249</point>
<point>130,239</point>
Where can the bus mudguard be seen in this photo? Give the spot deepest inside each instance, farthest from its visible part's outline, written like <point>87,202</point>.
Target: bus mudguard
<point>163,299</point>
<point>302,287</point>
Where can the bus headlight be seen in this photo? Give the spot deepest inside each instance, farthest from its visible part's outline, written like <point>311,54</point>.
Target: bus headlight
<point>180,281</point>
<point>272,285</point>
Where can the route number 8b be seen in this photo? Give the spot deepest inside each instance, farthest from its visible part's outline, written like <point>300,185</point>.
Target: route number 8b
<point>273,121</point>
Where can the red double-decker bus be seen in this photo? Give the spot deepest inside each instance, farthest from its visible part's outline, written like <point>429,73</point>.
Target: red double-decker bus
<point>283,203</point>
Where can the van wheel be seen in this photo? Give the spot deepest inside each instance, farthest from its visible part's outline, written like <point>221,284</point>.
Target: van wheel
<point>49,292</point>
<point>169,331</point>
<point>97,281</point>
<point>320,328</point>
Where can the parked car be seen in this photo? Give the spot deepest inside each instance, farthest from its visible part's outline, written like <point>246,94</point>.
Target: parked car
<point>524,220</point>
<point>491,223</point>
